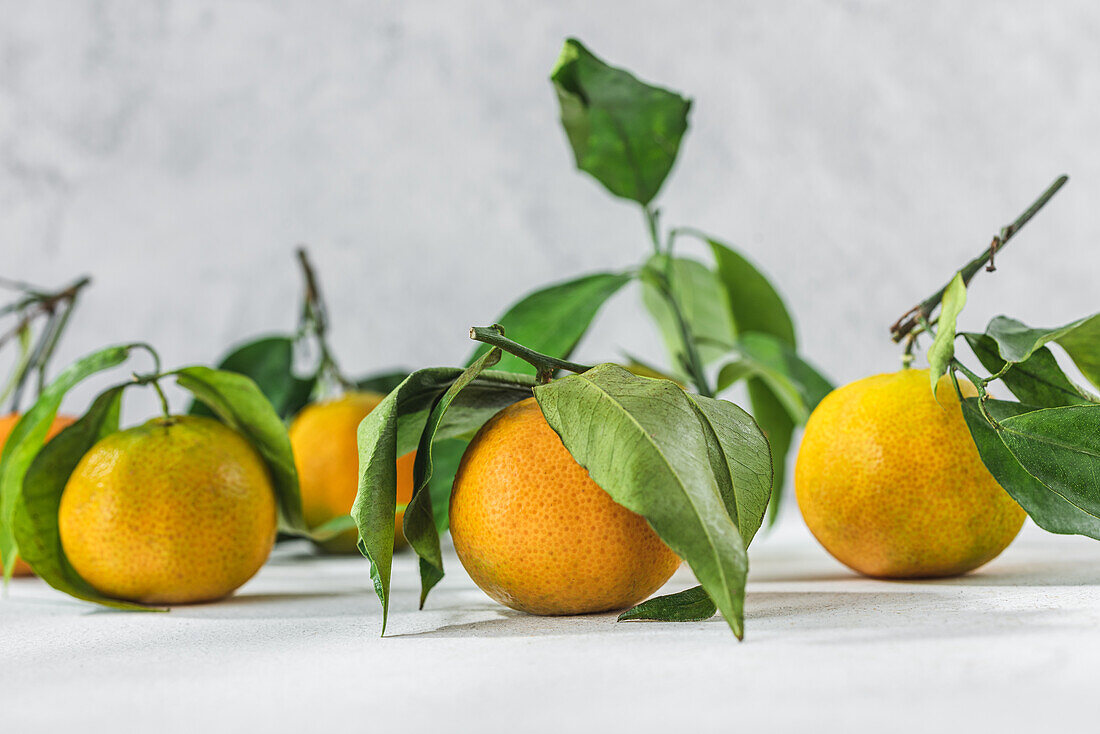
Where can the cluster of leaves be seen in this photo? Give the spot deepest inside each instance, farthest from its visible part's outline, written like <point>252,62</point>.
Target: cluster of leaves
<point>722,317</point>
<point>1045,449</point>
<point>33,474</point>
<point>640,438</point>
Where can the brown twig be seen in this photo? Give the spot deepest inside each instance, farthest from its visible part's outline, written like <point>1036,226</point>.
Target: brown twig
<point>923,310</point>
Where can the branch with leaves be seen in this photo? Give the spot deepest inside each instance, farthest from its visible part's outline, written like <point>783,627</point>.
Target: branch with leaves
<point>1044,449</point>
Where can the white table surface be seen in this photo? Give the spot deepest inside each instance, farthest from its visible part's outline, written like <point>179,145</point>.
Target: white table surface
<point>297,649</point>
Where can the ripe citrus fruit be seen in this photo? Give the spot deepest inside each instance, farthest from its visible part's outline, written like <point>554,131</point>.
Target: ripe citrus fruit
<point>537,534</point>
<point>7,424</point>
<point>174,511</point>
<point>324,437</point>
<point>890,481</point>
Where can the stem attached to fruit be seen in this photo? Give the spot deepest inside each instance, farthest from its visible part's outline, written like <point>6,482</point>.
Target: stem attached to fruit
<point>911,318</point>
<point>545,366</point>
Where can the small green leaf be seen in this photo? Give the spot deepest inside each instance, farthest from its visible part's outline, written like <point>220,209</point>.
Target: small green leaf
<point>269,362</point>
<point>38,504</point>
<point>29,434</point>
<point>754,303</point>
<point>689,605</point>
<point>1082,344</point>
<point>328,530</point>
<point>798,385</point>
<point>394,428</point>
<point>553,320</point>
<point>1061,448</point>
<point>640,440</point>
<point>943,346</point>
<point>1016,340</point>
<point>419,524</point>
<point>1038,380</point>
<point>700,296</point>
<point>778,426</point>
<point>238,402</point>
<point>382,383</point>
<point>1049,509</point>
<point>624,132</point>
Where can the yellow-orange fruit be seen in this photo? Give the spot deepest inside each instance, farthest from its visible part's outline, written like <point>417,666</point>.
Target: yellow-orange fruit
<point>891,483</point>
<point>7,423</point>
<point>537,534</point>
<point>170,512</point>
<point>324,437</point>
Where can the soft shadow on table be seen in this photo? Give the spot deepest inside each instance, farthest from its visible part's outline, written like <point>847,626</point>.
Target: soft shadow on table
<point>1054,572</point>
<point>306,604</point>
<point>891,613</point>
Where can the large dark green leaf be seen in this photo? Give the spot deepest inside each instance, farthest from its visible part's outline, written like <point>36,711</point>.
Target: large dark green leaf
<point>420,524</point>
<point>754,304</point>
<point>38,504</point>
<point>1050,509</point>
<point>269,362</point>
<point>552,320</point>
<point>1038,380</point>
<point>395,427</point>
<point>29,434</point>
<point>624,132</point>
<point>1061,448</point>
<point>699,295</point>
<point>942,350</point>
<point>689,605</point>
<point>641,440</point>
<point>1016,340</point>
<point>1083,346</point>
<point>795,382</point>
<point>238,402</point>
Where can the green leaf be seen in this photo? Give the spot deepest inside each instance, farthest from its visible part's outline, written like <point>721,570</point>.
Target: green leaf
<point>624,132</point>
<point>1049,509</point>
<point>689,605</point>
<point>640,440</point>
<point>1038,380</point>
<point>755,306</point>
<point>382,383</point>
<point>29,434</point>
<point>1061,448</point>
<point>943,346</point>
<point>740,460</point>
<point>419,524</point>
<point>795,382</point>
<point>394,428</point>
<point>753,302</point>
<point>269,362</point>
<point>238,402</point>
<point>552,320</point>
<point>446,455</point>
<point>1016,340</point>
<point>778,426</point>
<point>38,504</point>
<point>697,290</point>
<point>1082,344</point>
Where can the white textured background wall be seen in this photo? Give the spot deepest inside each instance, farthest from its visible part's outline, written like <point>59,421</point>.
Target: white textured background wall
<point>857,150</point>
